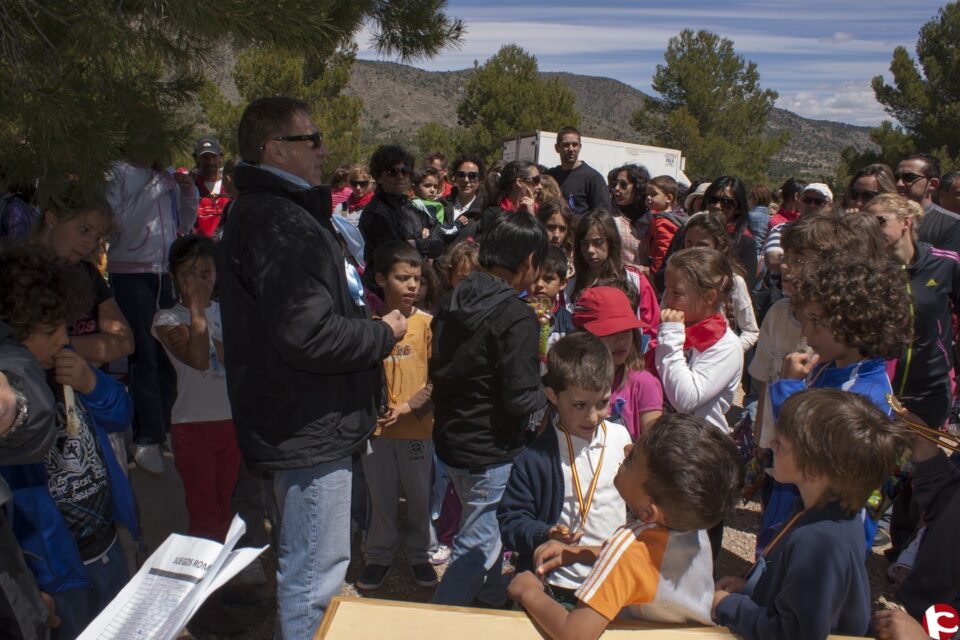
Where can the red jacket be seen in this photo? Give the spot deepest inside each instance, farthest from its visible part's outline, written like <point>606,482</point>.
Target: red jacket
<point>210,208</point>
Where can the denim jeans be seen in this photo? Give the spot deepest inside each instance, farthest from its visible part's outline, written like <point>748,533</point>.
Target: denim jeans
<point>78,607</point>
<point>153,381</point>
<point>475,565</point>
<point>314,543</point>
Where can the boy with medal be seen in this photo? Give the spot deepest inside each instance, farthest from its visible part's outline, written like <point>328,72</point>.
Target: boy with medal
<point>561,488</point>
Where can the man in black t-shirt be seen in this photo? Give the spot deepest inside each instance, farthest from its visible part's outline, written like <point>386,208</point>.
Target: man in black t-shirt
<point>582,185</point>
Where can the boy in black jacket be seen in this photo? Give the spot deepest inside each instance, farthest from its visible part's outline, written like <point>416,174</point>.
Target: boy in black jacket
<point>486,376</point>
<point>811,580</point>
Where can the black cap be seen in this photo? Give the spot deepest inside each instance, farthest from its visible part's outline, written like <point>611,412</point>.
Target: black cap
<point>207,144</point>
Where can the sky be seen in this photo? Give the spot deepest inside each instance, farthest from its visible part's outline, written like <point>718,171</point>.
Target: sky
<point>820,56</point>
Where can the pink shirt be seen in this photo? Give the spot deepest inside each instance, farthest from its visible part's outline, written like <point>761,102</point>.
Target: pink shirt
<point>640,393</point>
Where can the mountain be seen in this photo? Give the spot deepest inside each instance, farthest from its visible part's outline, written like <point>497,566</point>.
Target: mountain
<point>399,99</point>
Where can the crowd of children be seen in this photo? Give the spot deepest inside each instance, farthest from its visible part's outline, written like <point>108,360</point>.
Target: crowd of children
<point>562,389</point>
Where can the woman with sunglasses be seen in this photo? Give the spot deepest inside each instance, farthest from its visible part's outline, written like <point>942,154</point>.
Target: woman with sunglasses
<point>389,216</point>
<point>518,190</point>
<point>868,183</point>
<point>628,191</point>
<point>727,198</point>
<point>466,200</point>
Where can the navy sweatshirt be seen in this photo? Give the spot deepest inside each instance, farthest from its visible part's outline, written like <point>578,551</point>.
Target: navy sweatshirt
<point>533,499</point>
<point>815,583</point>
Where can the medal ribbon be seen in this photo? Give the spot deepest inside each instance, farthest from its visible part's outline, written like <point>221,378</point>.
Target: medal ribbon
<point>585,505</point>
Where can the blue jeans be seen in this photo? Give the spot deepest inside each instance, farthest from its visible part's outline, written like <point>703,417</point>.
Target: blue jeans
<point>476,562</point>
<point>78,607</point>
<point>153,381</point>
<point>314,543</point>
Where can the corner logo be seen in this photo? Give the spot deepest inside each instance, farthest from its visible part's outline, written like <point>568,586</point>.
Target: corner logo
<point>941,621</point>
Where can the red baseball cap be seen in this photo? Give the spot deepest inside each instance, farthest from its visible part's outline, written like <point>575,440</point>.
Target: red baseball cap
<point>604,311</point>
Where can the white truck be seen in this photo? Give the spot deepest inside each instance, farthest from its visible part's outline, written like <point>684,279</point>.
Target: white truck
<point>602,155</point>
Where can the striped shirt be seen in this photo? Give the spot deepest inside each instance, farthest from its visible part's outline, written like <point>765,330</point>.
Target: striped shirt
<point>649,572</point>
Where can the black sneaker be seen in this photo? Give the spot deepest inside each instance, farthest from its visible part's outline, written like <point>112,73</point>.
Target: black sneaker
<point>372,576</point>
<point>424,574</point>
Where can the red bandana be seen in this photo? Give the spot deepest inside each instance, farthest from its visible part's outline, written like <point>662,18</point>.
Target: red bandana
<point>706,333</point>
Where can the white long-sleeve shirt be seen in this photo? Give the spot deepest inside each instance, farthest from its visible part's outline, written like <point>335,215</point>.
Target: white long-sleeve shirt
<point>743,313</point>
<point>701,383</point>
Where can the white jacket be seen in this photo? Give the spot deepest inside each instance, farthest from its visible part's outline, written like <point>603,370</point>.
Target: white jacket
<point>706,384</point>
<point>151,209</point>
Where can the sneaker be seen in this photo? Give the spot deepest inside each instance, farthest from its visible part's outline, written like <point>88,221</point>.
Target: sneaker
<point>253,574</point>
<point>424,574</point>
<point>372,576</point>
<point>441,555</point>
<point>882,538</point>
<point>149,458</point>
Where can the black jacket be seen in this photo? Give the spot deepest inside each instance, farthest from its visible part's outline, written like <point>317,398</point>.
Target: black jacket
<point>22,612</point>
<point>389,218</point>
<point>922,375</point>
<point>940,227</point>
<point>303,360</point>
<point>486,373</point>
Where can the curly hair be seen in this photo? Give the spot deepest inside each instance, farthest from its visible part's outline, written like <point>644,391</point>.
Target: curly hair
<point>865,303</point>
<point>38,290</point>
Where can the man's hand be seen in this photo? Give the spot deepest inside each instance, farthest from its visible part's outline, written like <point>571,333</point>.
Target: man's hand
<point>69,368</point>
<point>798,365</point>
<point>8,405</point>
<point>522,584</point>
<point>397,323</point>
<point>671,315</point>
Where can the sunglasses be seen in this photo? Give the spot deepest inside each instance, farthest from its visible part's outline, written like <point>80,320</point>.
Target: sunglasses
<point>393,172</point>
<point>315,139</point>
<point>531,179</point>
<point>819,202</point>
<point>908,178</point>
<point>723,201</point>
<point>864,196</point>
<point>359,183</point>
<point>467,175</point>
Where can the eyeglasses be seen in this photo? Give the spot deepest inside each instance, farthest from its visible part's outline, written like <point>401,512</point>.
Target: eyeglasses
<point>818,202</point>
<point>794,261</point>
<point>863,196</point>
<point>908,178</point>
<point>359,183</point>
<point>467,175</point>
<point>315,138</point>
<point>393,172</point>
<point>723,201</point>
<point>532,179</point>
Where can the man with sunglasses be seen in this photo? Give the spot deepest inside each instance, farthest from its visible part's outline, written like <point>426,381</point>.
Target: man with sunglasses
<point>918,178</point>
<point>582,185</point>
<point>303,356</point>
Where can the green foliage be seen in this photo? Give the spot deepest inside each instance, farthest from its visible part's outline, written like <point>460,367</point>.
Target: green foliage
<point>84,83</point>
<point>267,71</point>
<point>712,108</point>
<point>433,136</point>
<point>505,96</point>
<point>924,99</point>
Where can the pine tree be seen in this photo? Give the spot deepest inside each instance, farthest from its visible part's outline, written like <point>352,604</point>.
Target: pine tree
<point>712,108</point>
<point>924,99</point>
<point>505,96</point>
<point>84,83</point>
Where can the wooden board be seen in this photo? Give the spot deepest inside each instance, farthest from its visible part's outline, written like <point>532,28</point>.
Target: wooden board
<point>351,618</point>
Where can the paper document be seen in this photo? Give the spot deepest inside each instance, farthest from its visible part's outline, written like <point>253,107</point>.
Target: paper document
<point>172,584</point>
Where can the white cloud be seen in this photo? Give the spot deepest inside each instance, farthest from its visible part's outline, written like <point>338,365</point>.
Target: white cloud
<point>838,36</point>
<point>851,102</point>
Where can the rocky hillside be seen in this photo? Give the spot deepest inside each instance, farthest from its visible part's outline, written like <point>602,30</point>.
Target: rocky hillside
<point>398,99</point>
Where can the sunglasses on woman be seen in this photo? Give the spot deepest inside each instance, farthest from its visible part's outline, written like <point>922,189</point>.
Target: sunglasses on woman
<point>723,201</point>
<point>531,179</point>
<point>467,175</point>
<point>359,183</point>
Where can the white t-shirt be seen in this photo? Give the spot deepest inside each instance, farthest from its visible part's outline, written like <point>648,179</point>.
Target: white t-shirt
<point>201,395</point>
<point>780,335</point>
<point>608,510</point>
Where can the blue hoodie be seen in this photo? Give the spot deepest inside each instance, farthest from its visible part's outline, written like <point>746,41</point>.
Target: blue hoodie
<point>48,545</point>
